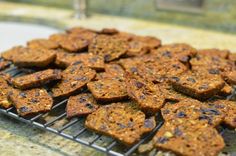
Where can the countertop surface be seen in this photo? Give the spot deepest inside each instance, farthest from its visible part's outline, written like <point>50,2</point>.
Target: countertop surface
<point>17,137</point>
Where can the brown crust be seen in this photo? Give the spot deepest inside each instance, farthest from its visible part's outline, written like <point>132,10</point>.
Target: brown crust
<point>108,90</point>
<point>160,71</point>
<point>74,78</point>
<point>81,105</point>
<point>121,121</point>
<point>65,59</point>
<point>140,45</point>
<point>149,98</point>
<point>26,57</point>
<point>189,139</point>
<point>109,31</point>
<point>57,37</point>
<point>198,84</point>
<point>36,79</point>
<point>189,109</point>
<point>74,43</point>
<point>232,57</point>
<point>215,52</point>
<point>114,69</point>
<point>4,89</point>
<point>229,110</point>
<point>177,51</point>
<point>211,62</point>
<point>108,46</point>
<point>226,90</point>
<point>31,101</point>
<point>42,43</point>
<point>230,77</point>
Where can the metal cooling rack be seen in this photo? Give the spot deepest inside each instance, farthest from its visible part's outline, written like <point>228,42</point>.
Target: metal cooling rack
<point>56,122</point>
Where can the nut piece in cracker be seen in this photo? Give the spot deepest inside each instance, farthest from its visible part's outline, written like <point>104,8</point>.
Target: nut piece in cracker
<point>4,89</point>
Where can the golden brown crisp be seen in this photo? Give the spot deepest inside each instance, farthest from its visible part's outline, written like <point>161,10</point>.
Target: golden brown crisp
<point>121,121</point>
<point>65,59</point>
<point>177,51</point>
<point>81,105</point>
<point>109,47</point>
<point>74,78</point>
<point>230,77</point>
<point>36,79</point>
<point>215,52</point>
<point>189,109</point>
<point>42,43</point>
<point>73,43</point>
<point>198,85</point>
<point>4,89</point>
<point>108,90</point>
<point>26,57</point>
<point>149,98</point>
<point>189,139</point>
<point>31,101</point>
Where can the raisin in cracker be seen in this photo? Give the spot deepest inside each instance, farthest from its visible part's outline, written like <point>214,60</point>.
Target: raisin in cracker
<point>65,59</point>
<point>108,90</point>
<point>31,101</point>
<point>74,78</point>
<point>189,139</point>
<point>81,105</point>
<point>198,85</point>
<point>109,47</point>
<point>149,98</point>
<point>36,79</point>
<point>121,121</point>
<point>189,109</point>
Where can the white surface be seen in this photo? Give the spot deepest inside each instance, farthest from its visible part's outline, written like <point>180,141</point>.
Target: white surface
<point>12,33</point>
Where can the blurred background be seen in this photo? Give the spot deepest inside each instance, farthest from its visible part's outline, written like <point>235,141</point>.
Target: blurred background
<point>201,23</point>
<point>217,15</point>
